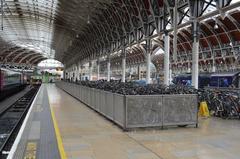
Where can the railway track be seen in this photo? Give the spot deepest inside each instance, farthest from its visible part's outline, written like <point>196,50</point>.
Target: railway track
<point>11,120</point>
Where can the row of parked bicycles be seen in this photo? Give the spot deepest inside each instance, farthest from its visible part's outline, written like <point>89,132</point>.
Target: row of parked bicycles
<point>221,103</point>
<point>132,88</point>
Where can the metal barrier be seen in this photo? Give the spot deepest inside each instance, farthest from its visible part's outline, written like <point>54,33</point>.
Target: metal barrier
<point>180,110</point>
<point>135,111</point>
<point>144,111</point>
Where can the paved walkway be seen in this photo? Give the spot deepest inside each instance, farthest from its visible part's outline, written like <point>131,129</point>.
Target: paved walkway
<point>38,140</point>
<point>87,135</point>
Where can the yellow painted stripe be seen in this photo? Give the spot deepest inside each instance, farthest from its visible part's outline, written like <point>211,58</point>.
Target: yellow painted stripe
<point>31,150</point>
<point>59,139</point>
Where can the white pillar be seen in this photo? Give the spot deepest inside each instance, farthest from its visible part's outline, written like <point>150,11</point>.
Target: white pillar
<point>166,59</point>
<point>148,75</point>
<point>76,72</point>
<point>70,72</point>
<point>214,64</point>
<point>175,30</point>
<point>195,55</point>
<point>90,71</point>
<point>214,68</point>
<point>124,69</point>
<point>79,71</point>
<point>108,70</point>
<point>139,71</point>
<point>98,70</point>
<point>67,74</point>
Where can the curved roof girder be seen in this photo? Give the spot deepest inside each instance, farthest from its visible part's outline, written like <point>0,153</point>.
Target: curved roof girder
<point>113,24</point>
<point>213,34</point>
<point>146,9</point>
<point>24,55</point>
<point>34,57</point>
<point>19,55</point>
<point>38,60</point>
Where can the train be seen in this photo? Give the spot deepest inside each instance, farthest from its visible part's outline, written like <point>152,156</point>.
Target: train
<point>227,79</point>
<point>11,82</point>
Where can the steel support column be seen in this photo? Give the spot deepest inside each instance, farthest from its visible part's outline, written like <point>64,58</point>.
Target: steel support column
<point>98,69</point>
<point>148,75</point>
<point>195,55</point>
<point>108,69</point>
<point>72,74</point>
<point>166,59</point>
<point>124,66</point>
<point>148,61</point>
<point>66,74</point>
<point>79,71</point>
<point>76,72</point>
<point>175,30</point>
<point>214,63</point>
<point>90,71</point>
<point>139,71</point>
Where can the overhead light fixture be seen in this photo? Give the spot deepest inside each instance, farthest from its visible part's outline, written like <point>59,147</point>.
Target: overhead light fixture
<point>216,26</point>
<point>88,20</point>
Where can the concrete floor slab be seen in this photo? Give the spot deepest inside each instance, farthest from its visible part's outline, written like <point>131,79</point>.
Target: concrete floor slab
<point>88,135</point>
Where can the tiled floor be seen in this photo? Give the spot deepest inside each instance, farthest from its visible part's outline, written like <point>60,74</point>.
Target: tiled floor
<point>87,135</point>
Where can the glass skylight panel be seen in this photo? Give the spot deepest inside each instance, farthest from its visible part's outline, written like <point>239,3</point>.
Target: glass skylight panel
<point>34,23</point>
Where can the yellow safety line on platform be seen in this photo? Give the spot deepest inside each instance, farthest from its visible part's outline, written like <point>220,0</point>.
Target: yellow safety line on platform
<point>31,150</point>
<point>59,139</point>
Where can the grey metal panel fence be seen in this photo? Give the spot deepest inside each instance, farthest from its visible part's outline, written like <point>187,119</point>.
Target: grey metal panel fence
<point>103,104</point>
<point>101,101</point>
<point>143,111</point>
<point>119,109</point>
<point>71,89</point>
<point>85,95</point>
<point>82,93</point>
<point>75,90</point>
<point>138,111</point>
<point>109,105</point>
<point>89,96</point>
<point>79,93</point>
<point>93,98</point>
<point>98,101</point>
<point>180,109</point>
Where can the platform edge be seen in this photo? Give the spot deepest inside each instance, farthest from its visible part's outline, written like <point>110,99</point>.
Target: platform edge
<point>20,133</point>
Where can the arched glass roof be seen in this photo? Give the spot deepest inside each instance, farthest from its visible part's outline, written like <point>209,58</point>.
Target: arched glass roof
<point>76,30</point>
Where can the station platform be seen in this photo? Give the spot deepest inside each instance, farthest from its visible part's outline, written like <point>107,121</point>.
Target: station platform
<point>60,126</point>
